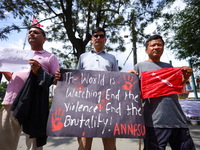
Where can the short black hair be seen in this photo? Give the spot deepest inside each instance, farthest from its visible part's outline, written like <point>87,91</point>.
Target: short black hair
<point>153,37</point>
<point>98,29</point>
<point>42,31</point>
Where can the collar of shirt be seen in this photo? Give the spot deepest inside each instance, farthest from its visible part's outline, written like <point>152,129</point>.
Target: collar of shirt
<point>40,52</point>
<point>93,51</point>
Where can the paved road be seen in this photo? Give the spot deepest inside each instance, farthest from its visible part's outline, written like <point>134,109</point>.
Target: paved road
<point>68,143</point>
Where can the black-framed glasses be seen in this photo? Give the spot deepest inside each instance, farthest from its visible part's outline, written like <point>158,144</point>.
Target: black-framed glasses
<point>101,36</point>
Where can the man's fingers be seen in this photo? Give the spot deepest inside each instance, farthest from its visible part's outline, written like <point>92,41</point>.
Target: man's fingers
<point>132,71</point>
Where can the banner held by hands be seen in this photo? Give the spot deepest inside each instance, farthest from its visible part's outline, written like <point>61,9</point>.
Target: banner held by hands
<point>161,82</point>
<point>96,104</point>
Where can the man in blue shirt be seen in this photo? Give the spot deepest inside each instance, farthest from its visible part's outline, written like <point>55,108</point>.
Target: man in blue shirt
<point>97,59</point>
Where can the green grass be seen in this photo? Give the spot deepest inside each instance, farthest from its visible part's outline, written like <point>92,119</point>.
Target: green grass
<point>50,102</point>
<point>0,103</point>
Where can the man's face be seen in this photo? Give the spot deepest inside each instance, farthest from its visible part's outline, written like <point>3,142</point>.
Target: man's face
<point>35,37</point>
<point>155,49</point>
<point>98,40</point>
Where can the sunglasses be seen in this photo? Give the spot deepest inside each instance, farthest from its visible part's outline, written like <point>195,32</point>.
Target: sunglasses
<point>101,36</point>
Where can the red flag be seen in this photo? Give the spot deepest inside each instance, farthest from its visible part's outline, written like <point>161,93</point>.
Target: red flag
<point>35,22</point>
<point>161,82</point>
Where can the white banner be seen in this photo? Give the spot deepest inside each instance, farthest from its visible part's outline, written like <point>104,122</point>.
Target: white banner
<point>15,60</point>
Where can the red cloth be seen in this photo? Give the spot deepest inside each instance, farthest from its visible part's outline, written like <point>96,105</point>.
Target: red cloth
<point>35,22</point>
<point>161,82</point>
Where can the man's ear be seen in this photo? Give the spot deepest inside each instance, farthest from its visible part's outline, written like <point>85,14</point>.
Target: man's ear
<point>44,39</point>
<point>105,40</point>
<point>146,51</point>
<point>91,40</point>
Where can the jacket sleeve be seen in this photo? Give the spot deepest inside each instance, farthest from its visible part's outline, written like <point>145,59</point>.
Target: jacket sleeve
<point>45,79</point>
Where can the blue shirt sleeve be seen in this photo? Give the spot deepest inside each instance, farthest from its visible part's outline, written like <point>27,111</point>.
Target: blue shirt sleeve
<point>79,67</point>
<point>115,65</point>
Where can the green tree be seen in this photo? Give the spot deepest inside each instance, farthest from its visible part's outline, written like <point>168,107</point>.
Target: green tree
<point>3,86</point>
<point>142,14</point>
<point>73,20</point>
<point>185,25</point>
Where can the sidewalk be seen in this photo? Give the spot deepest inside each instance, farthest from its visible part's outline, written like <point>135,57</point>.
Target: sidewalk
<point>70,143</point>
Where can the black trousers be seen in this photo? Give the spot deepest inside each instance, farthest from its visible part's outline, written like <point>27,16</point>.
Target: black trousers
<point>158,138</point>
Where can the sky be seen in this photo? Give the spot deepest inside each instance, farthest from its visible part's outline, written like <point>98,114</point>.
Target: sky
<point>16,40</point>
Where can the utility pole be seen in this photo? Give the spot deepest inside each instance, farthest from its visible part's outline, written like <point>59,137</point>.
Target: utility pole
<point>193,82</point>
<point>132,25</point>
<point>134,37</point>
<point>25,40</point>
